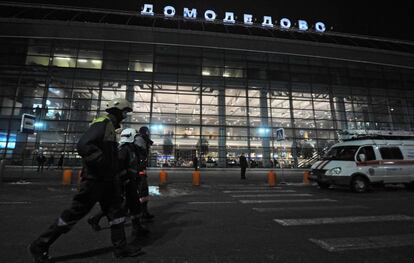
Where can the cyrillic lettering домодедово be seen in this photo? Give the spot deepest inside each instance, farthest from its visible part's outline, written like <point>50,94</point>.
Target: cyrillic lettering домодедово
<point>248,19</point>
<point>267,21</point>
<point>190,14</point>
<point>210,15</point>
<point>320,27</point>
<point>285,23</point>
<point>303,25</point>
<point>169,11</point>
<point>148,10</point>
<point>230,18</point>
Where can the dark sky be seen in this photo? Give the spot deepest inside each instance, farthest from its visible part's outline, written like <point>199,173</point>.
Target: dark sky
<point>390,19</point>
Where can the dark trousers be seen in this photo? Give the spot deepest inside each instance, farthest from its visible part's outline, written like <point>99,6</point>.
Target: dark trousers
<point>243,173</point>
<point>91,192</point>
<point>40,167</point>
<point>143,190</point>
<point>132,202</point>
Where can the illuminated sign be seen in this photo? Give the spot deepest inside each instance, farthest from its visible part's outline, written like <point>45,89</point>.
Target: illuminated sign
<point>280,134</point>
<point>230,18</point>
<point>7,141</point>
<point>28,123</point>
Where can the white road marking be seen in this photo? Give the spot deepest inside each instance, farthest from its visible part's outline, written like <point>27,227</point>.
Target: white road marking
<point>272,195</point>
<point>369,242</point>
<point>306,208</point>
<point>259,191</point>
<point>245,187</point>
<point>211,202</point>
<point>341,220</point>
<point>15,203</point>
<point>286,201</point>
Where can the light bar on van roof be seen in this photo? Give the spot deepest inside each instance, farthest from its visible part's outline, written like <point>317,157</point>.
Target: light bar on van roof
<point>347,135</point>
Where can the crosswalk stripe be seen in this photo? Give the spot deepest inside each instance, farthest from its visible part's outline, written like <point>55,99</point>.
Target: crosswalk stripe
<point>369,242</point>
<point>15,203</point>
<point>341,220</point>
<point>306,208</point>
<point>258,191</point>
<point>272,195</point>
<point>244,187</point>
<point>287,201</point>
<point>211,202</point>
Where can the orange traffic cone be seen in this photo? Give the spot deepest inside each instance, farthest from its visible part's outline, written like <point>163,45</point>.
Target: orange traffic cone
<point>196,178</point>
<point>306,175</point>
<point>163,177</point>
<point>271,178</point>
<point>67,177</point>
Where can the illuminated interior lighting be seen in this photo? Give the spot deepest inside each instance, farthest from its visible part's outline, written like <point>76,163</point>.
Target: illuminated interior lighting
<point>39,124</point>
<point>95,61</point>
<point>206,73</point>
<point>62,58</point>
<point>82,60</point>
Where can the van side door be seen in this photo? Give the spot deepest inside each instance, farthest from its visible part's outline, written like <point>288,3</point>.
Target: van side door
<point>393,162</point>
<point>370,166</point>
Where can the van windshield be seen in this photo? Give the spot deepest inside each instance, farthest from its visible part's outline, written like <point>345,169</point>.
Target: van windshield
<point>341,153</point>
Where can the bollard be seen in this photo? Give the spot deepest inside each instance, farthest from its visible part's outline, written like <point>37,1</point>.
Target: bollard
<point>2,169</point>
<point>306,175</point>
<point>67,177</point>
<point>163,177</point>
<point>79,179</point>
<point>271,178</point>
<point>196,178</point>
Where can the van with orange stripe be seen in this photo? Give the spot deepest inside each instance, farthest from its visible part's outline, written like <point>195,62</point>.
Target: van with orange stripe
<point>365,160</point>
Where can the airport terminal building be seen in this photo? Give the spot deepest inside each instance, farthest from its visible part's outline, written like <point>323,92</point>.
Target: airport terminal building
<point>206,87</point>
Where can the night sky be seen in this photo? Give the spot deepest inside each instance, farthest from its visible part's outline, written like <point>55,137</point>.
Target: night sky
<point>389,19</point>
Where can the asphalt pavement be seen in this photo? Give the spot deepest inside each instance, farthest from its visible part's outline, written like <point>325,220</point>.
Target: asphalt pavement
<point>225,219</point>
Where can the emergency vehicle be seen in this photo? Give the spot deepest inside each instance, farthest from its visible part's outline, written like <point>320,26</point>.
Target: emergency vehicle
<point>364,158</point>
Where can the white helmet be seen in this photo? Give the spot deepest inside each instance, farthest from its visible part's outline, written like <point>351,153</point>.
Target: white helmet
<point>128,135</point>
<point>120,104</point>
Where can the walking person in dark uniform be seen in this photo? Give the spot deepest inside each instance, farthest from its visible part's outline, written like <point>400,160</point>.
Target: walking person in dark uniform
<point>129,181</point>
<point>50,161</point>
<point>143,143</point>
<point>195,163</point>
<point>243,166</point>
<point>98,148</point>
<point>60,161</point>
<point>41,159</point>
<point>130,161</point>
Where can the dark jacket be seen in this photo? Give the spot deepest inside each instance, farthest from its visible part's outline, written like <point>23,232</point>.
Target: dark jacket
<point>195,162</point>
<point>128,161</point>
<point>243,161</point>
<point>142,146</point>
<point>99,149</point>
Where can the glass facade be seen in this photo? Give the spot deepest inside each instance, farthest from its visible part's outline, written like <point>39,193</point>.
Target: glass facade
<point>210,103</point>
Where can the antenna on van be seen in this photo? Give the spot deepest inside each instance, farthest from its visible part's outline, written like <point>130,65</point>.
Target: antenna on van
<point>348,135</point>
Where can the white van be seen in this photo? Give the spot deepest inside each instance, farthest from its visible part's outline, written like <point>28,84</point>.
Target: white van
<point>365,160</point>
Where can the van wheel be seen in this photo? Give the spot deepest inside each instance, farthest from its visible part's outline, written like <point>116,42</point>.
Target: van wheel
<point>359,184</point>
<point>323,185</point>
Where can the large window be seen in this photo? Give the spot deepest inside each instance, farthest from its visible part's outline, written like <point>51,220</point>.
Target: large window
<point>210,103</point>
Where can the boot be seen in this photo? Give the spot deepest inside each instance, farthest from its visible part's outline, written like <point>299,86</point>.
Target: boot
<point>127,251</point>
<point>40,247</point>
<point>94,221</point>
<point>119,241</point>
<point>146,216</point>
<point>40,254</point>
<point>138,230</point>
